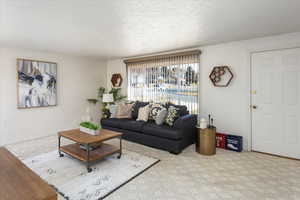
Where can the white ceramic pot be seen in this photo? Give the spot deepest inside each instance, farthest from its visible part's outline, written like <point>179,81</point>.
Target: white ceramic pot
<point>203,123</point>
<point>89,131</point>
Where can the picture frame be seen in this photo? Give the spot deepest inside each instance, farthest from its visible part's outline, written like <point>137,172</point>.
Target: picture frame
<point>36,83</point>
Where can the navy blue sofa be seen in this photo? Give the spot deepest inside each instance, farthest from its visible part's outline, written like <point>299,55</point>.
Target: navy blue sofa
<point>173,139</point>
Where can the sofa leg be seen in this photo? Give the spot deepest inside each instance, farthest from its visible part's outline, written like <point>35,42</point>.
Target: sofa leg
<point>175,153</point>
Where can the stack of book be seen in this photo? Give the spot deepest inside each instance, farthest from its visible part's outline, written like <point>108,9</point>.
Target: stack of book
<point>91,147</point>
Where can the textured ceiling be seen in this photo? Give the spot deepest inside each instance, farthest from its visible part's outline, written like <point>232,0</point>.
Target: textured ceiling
<point>122,28</point>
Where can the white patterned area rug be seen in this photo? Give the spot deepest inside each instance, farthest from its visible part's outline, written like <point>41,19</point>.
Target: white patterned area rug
<point>70,178</point>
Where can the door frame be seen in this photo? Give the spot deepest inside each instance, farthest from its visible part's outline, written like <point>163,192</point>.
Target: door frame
<point>250,139</point>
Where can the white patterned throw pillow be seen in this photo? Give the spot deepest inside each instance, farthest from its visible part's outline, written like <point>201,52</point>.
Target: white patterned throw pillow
<point>143,113</point>
<point>154,109</point>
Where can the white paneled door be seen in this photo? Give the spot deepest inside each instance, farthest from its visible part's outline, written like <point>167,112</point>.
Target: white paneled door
<point>276,102</point>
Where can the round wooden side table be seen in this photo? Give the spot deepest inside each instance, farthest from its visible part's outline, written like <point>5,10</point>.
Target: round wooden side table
<point>206,141</point>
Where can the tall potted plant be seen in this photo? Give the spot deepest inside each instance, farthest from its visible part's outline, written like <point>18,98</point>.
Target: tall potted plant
<point>117,96</point>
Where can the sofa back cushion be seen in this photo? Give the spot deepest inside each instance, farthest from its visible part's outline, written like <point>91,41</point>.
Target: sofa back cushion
<point>135,109</point>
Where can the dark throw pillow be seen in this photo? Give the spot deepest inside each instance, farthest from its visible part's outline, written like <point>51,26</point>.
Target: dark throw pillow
<point>173,114</point>
<point>181,109</point>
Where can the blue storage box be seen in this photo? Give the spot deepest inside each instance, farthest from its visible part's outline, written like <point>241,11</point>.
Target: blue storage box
<point>234,143</point>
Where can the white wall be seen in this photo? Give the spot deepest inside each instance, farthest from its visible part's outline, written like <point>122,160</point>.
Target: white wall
<point>229,106</point>
<point>1,97</point>
<point>78,79</point>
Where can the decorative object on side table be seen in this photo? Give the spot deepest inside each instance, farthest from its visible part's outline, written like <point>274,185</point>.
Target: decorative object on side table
<point>221,76</point>
<point>90,128</point>
<point>206,139</point>
<point>203,123</point>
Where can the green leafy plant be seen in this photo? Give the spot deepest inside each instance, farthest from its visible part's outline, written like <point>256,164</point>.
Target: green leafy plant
<point>90,125</point>
<point>116,92</point>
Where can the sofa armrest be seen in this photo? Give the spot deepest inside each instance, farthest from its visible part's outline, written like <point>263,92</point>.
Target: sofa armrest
<point>187,127</point>
<point>186,122</point>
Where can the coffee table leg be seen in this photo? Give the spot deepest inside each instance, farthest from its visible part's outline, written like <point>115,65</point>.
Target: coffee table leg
<point>59,153</point>
<point>88,159</point>
<point>119,156</point>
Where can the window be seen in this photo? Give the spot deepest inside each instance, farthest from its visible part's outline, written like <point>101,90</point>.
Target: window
<point>171,78</point>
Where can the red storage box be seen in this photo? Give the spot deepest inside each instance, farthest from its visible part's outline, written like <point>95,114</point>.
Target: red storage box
<point>221,140</point>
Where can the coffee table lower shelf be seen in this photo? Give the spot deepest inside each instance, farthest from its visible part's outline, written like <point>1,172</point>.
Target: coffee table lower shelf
<point>75,151</point>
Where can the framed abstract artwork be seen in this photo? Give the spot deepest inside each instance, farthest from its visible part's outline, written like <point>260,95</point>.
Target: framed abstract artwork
<point>36,83</point>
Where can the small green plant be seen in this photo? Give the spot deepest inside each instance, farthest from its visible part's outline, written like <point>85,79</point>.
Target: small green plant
<point>90,125</point>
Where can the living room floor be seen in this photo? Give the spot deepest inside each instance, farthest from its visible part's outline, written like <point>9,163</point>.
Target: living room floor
<point>189,176</point>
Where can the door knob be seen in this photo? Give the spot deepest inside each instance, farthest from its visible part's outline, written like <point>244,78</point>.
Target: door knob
<point>254,107</point>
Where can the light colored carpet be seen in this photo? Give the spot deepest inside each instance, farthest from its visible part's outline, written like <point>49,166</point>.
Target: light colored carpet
<point>190,176</point>
<point>70,177</point>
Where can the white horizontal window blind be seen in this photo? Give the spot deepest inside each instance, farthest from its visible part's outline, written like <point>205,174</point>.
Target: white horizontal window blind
<point>167,78</point>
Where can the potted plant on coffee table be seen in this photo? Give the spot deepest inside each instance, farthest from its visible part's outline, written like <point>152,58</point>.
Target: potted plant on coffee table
<point>90,128</point>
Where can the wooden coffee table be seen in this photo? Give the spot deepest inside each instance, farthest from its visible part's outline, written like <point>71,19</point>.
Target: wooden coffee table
<point>88,156</point>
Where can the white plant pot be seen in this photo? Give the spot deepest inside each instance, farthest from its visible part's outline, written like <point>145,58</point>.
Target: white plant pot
<point>89,131</point>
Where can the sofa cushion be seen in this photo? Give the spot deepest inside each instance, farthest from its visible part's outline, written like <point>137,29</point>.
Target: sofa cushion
<point>133,125</point>
<point>162,131</point>
<point>136,107</point>
<point>114,122</point>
